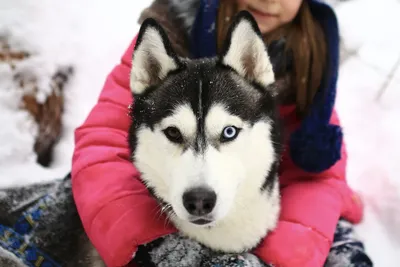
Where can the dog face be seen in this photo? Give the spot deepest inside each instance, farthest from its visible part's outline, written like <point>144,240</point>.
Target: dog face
<point>204,134</point>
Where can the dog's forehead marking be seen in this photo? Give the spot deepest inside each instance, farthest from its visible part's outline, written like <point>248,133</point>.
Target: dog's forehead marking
<point>183,118</point>
<point>200,142</point>
<point>218,117</point>
<point>200,105</point>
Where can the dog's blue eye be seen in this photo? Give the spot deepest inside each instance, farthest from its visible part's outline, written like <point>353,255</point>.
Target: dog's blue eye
<point>229,133</point>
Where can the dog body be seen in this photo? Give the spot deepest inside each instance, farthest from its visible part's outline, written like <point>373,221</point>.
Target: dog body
<point>205,135</point>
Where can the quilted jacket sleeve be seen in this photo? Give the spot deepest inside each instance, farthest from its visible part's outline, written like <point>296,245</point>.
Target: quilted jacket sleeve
<point>311,205</point>
<point>116,209</point>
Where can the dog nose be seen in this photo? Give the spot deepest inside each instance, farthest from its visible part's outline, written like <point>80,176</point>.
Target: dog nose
<point>199,201</point>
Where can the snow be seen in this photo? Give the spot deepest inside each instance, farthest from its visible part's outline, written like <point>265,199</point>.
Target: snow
<point>92,35</point>
<point>368,97</point>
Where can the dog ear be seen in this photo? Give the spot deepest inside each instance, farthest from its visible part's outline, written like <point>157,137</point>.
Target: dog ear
<point>245,52</point>
<point>153,57</point>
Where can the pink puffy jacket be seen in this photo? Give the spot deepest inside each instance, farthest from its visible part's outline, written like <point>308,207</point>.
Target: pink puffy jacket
<point>119,214</point>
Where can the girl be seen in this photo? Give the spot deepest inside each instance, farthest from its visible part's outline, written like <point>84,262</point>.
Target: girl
<point>118,212</point>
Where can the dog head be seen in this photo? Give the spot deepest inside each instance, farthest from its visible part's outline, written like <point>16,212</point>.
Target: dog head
<point>205,135</point>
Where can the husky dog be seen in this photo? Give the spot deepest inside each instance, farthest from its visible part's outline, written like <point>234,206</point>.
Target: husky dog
<point>205,135</point>
<point>206,138</point>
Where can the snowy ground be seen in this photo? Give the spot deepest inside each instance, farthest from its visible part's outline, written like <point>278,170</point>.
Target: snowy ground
<point>92,35</point>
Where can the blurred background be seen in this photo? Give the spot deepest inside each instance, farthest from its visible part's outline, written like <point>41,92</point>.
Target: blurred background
<point>56,54</point>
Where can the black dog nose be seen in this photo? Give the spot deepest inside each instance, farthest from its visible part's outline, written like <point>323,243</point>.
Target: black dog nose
<point>199,201</point>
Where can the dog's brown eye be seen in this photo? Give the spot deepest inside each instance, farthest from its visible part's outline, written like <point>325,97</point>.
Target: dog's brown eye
<point>173,134</point>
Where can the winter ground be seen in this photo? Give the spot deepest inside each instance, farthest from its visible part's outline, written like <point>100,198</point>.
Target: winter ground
<point>93,34</point>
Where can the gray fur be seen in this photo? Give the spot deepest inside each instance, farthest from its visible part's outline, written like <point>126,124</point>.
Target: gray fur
<point>176,249</point>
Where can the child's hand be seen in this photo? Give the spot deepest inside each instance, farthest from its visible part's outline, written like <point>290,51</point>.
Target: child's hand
<point>294,245</point>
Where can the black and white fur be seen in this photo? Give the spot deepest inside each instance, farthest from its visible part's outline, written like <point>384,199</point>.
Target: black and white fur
<point>209,129</point>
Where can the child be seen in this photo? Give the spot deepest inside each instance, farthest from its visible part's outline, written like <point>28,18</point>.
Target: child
<point>118,212</point>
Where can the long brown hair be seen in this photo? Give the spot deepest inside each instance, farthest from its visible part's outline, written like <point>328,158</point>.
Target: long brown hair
<point>306,41</point>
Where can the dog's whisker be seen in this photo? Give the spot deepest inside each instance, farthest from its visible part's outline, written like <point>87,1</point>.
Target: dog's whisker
<point>168,210</point>
<point>157,212</point>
